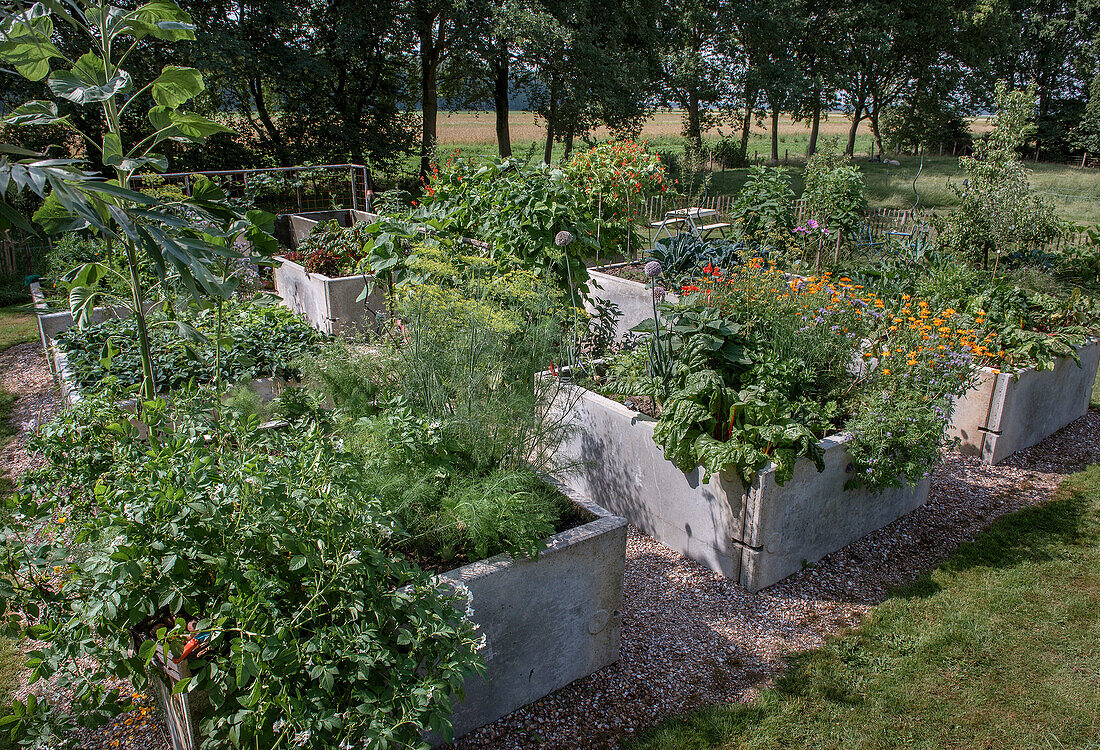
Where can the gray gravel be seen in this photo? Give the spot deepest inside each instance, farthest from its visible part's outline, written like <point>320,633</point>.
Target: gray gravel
<point>690,638</point>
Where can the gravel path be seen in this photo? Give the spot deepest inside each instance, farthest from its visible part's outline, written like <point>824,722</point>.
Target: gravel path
<point>690,638</point>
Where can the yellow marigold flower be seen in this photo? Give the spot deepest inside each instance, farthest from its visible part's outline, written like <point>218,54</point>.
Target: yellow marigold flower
<point>886,372</point>
<point>949,312</point>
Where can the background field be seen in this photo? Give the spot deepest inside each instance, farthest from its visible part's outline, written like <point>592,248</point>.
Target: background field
<point>1075,191</point>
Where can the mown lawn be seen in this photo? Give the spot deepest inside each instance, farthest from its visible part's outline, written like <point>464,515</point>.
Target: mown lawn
<point>17,326</point>
<point>997,648</point>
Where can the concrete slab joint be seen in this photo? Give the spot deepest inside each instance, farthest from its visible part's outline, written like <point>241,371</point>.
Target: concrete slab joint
<point>1007,412</point>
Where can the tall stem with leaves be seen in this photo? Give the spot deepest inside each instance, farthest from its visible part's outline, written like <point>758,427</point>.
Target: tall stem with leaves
<point>174,236</point>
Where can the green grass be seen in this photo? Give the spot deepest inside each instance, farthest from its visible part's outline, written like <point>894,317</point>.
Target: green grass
<point>17,326</point>
<point>996,648</point>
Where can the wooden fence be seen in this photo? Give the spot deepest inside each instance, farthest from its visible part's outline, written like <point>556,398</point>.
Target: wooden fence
<point>878,222</point>
<point>21,255</point>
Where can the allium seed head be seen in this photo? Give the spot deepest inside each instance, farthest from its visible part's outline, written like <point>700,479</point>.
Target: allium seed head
<point>653,269</point>
<point>563,238</point>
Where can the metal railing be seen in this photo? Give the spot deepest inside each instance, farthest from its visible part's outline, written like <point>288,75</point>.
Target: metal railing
<point>283,189</point>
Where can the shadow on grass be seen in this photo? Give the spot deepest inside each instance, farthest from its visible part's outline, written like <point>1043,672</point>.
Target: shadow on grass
<point>1032,535</point>
<point>849,685</point>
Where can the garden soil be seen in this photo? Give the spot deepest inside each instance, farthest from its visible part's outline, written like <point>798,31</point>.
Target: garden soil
<point>690,638</point>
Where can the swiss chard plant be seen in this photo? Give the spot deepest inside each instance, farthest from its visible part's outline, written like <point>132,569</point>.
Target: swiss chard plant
<point>750,367</point>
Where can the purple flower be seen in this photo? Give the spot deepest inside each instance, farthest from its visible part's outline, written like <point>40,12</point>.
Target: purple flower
<point>653,269</point>
<point>658,293</point>
<point>812,223</point>
<point>561,239</point>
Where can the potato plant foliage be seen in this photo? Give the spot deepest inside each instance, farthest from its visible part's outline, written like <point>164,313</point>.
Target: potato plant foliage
<point>261,542</point>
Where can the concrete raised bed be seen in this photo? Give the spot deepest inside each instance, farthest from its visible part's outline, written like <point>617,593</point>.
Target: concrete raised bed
<point>290,229</point>
<point>634,300</point>
<point>1007,412</point>
<point>330,304</point>
<point>546,621</point>
<point>755,536</point>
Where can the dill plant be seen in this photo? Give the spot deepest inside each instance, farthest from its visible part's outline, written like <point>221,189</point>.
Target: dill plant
<point>446,411</point>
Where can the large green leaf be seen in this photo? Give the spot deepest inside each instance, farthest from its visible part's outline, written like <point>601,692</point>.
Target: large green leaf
<point>112,149</point>
<point>29,55</point>
<point>176,86</point>
<point>34,113</point>
<point>86,83</point>
<point>161,19</point>
<point>183,126</point>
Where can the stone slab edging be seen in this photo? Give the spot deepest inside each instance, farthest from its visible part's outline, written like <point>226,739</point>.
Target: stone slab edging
<point>755,536</point>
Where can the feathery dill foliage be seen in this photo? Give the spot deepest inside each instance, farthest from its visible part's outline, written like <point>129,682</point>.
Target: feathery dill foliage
<point>446,412</point>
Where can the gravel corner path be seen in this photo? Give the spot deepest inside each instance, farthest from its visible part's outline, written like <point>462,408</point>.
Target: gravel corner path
<point>691,638</point>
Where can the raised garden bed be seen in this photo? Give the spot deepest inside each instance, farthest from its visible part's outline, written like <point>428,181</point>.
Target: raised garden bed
<point>332,305</point>
<point>51,325</point>
<point>1005,412</point>
<point>546,621</point>
<point>290,229</point>
<point>756,535</point>
<point>634,300</point>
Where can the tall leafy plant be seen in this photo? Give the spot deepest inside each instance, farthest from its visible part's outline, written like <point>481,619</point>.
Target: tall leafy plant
<point>997,212</point>
<point>183,237</point>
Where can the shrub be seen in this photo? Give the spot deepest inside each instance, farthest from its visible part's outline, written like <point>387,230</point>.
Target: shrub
<point>263,547</point>
<point>997,212</point>
<point>518,212</point>
<point>766,202</point>
<point>834,190</point>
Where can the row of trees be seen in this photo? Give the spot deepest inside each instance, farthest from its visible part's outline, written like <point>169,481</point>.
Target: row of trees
<point>335,80</point>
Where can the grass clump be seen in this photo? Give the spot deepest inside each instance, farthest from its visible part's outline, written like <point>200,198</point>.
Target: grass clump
<point>17,326</point>
<point>994,648</point>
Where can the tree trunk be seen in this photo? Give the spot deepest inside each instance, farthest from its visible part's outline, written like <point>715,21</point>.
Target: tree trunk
<point>746,123</point>
<point>429,64</point>
<point>857,116</point>
<point>694,120</point>
<point>500,103</point>
<point>551,115</point>
<point>875,109</point>
<point>256,88</point>
<point>775,135</point>
<point>568,146</point>
<point>815,125</point>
